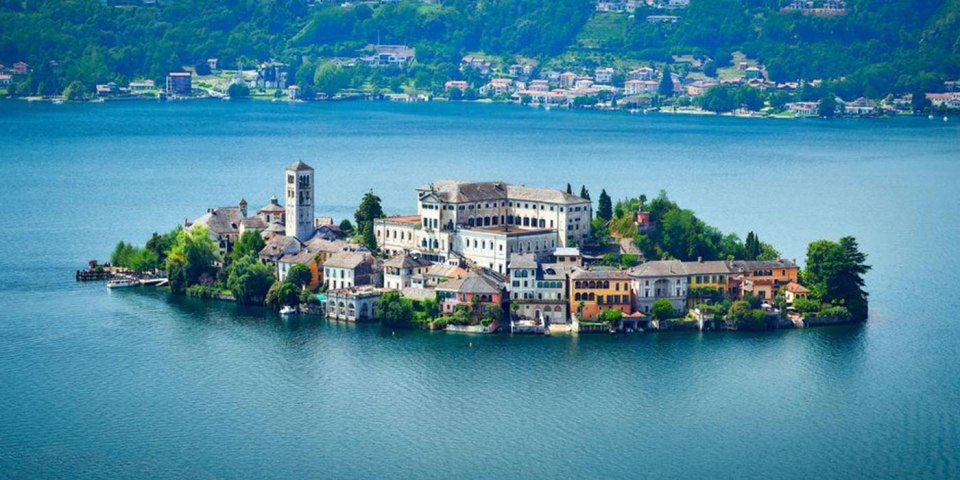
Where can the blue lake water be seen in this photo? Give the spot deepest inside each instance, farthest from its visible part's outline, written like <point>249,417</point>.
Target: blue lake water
<point>132,384</point>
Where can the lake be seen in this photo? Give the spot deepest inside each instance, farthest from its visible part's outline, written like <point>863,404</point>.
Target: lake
<point>133,384</point>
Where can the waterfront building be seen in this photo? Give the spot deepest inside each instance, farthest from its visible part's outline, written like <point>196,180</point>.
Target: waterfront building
<point>706,276</point>
<point>352,304</point>
<point>593,290</point>
<point>351,269</point>
<point>658,279</point>
<point>385,55</point>
<point>486,222</point>
<point>763,278</point>
<point>277,246</point>
<point>223,225</point>
<point>538,290</point>
<point>179,83</point>
<point>398,272</point>
<point>299,202</point>
<point>793,290</point>
<point>462,291</point>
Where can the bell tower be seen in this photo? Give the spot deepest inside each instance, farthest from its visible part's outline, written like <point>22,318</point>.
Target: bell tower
<point>299,203</point>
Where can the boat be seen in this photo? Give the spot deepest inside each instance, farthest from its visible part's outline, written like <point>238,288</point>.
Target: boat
<point>122,283</point>
<point>287,310</point>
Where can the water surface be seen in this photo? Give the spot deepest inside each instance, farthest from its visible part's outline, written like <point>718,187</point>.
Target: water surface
<point>98,384</point>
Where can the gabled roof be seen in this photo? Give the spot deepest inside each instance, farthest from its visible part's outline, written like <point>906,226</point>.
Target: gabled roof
<point>599,274</point>
<point>523,260</point>
<point>346,260</point>
<point>222,220</point>
<point>299,166</point>
<point>405,260</point>
<point>471,284</point>
<point>710,267</point>
<point>280,244</point>
<point>794,287</point>
<point>659,268</point>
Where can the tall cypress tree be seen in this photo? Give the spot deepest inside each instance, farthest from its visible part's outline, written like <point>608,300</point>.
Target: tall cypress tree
<point>665,88</point>
<point>569,189</point>
<point>584,193</point>
<point>605,206</point>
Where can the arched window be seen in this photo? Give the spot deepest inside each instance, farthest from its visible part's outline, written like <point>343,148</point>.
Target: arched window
<point>509,219</point>
<point>486,221</point>
<point>576,297</point>
<point>590,296</point>
<point>543,223</point>
<point>526,221</point>
<point>470,222</point>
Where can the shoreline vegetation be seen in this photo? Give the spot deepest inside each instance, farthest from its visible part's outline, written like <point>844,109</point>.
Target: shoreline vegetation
<point>781,59</point>
<point>721,281</point>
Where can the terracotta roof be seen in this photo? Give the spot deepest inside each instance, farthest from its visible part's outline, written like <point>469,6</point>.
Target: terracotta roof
<point>795,287</point>
<point>347,260</point>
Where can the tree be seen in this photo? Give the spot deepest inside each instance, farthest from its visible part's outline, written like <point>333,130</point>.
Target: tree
<point>752,247</point>
<point>346,227</point>
<point>491,313</point>
<point>249,244</point>
<point>744,317</point>
<point>584,193</point>
<point>394,310</point>
<point>299,275</point>
<point>835,273</point>
<point>282,294</point>
<point>249,280</point>
<point>828,106</point>
<point>611,317</point>
<point>238,90</point>
<point>366,213</point>
<point>455,94</point>
<point>719,99</point>
<point>75,91</point>
<point>605,207</point>
<point>569,189</point>
<point>662,309</point>
<point>195,252</point>
<point>665,89</point>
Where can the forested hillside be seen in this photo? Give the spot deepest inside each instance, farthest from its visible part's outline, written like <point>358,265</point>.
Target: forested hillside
<point>878,47</point>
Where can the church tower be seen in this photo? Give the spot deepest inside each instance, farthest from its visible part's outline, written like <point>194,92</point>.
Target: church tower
<point>299,204</point>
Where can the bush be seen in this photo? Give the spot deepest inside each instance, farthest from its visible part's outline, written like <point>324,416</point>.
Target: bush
<point>238,90</point>
<point>836,312</point>
<point>662,309</point>
<point>806,305</point>
<point>201,291</point>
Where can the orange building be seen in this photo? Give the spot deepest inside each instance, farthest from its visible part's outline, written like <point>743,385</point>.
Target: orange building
<point>595,290</point>
<point>763,278</point>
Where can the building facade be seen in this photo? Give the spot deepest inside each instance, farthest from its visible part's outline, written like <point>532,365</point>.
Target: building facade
<point>299,203</point>
<point>658,279</point>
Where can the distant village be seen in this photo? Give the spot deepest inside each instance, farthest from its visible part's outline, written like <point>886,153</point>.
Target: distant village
<point>478,249</point>
<point>643,88</point>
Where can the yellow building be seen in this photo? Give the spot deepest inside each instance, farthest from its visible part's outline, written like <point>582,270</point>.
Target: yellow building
<point>702,276</point>
<point>595,290</point>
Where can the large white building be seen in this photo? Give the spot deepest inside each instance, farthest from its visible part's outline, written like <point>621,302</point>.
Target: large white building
<point>486,222</point>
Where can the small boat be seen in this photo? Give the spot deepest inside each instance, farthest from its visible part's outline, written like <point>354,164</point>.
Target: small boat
<point>287,310</point>
<point>122,283</point>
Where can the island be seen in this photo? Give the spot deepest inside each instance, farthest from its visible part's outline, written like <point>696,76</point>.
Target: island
<point>491,256</point>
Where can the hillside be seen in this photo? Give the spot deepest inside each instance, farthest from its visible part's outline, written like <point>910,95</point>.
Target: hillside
<point>877,47</point>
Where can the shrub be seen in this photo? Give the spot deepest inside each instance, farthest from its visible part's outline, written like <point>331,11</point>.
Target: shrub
<point>662,309</point>
<point>836,312</point>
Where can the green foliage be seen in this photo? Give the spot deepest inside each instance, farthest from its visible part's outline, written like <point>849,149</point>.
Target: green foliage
<point>662,309</point>
<point>719,99</point>
<point>133,258</point>
<point>806,305</point>
<point>282,294</point>
<point>366,213</point>
<point>346,227</point>
<point>745,317</point>
<point>249,279</point>
<point>834,274</point>
<point>202,291</point>
<point>827,106</point>
<point>665,89</point>
<point>611,317</point>
<point>160,245</point>
<point>75,91</point>
<point>394,310</point>
<point>238,90</point>
<point>605,207</point>
<point>192,257</point>
<point>249,244</point>
<point>838,311</point>
<point>299,275</point>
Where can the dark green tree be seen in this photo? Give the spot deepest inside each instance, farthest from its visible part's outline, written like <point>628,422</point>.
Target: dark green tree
<point>828,106</point>
<point>605,206</point>
<point>584,193</point>
<point>299,275</point>
<point>249,244</point>
<point>665,89</point>
<point>237,91</point>
<point>834,275</point>
<point>249,280</point>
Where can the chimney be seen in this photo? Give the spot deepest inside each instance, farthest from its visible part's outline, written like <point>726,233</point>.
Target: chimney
<point>699,259</point>
<point>274,201</point>
<point>243,208</point>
